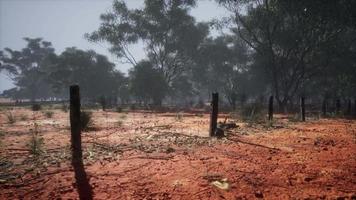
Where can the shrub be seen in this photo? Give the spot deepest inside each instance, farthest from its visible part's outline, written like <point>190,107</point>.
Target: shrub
<point>10,118</point>
<point>252,113</point>
<point>36,107</point>
<point>85,120</point>
<point>49,114</point>
<point>36,142</point>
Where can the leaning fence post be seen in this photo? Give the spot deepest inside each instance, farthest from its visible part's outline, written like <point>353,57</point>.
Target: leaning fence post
<point>302,108</point>
<point>214,114</point>
<point>270,108</point>
<point>76,143</point>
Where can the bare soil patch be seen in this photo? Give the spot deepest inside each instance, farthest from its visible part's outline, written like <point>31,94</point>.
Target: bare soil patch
<point>142,155</point>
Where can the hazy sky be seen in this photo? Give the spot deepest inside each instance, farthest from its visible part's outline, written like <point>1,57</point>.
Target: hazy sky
<point>64,22</point>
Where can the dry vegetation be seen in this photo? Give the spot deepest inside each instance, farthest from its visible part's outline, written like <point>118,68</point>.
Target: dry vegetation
<point>146,155</point>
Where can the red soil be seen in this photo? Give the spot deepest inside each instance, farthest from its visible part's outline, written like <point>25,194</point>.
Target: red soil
<point>169,156</point>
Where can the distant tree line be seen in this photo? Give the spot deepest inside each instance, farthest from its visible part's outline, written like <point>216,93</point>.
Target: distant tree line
<point>284,48</point>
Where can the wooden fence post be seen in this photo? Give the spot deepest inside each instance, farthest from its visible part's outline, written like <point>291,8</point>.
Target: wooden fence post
<point>214,114</point>
<point>270,108</point>
<point>76,143</point>
<point>302,108</point>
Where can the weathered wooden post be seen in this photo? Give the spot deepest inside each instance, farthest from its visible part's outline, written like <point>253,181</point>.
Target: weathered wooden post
<point>82,182</point>
<point>76,143</point>
<point>338,106</point>
<point>302,109</point>
<point>270,108</point>
<point>214,114</point>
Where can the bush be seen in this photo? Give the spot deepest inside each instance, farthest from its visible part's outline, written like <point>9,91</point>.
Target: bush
<point>85,120</point>
<point>10,118</point>
<point>36,142</point>
<point>252,113</point>
<point>49,114</point>
<point>36,107</point>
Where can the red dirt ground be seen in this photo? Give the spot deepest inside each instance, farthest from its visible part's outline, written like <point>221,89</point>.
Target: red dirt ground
<point>140,155</point>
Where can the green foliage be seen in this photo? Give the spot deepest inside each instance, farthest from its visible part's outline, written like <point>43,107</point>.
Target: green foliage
<point>147,83</point>
<point>36,142</point>
<point>170,34</point>
<point>87,69</point>
<point>27,68</point>
<point>86,120</point>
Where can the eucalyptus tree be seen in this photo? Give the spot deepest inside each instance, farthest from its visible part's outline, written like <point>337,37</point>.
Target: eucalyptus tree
<point>169,33</point>
<point>222,65</point>
<point>289,39</point>
<point>147,84</point>
<point>93,72</point>
<point>26,67</point>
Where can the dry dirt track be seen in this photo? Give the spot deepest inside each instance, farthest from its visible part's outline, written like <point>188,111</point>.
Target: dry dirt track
<point>168,156</point>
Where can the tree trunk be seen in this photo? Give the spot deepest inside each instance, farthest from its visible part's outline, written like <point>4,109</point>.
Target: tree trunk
<point>214,114</point>
<point>270,108</point>
<point>302,109</point>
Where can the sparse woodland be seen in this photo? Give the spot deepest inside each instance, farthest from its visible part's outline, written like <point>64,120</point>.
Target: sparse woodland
<point>257,105</point>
